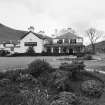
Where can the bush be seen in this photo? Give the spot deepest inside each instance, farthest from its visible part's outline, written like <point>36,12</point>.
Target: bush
<point>85,101</point>
<point>30,51</point>
<point>60,80</point>
<point>4,52</point>
<point>2,75</point>
<point>59,102</point>
<point>71,98</point>
<point>35,97</point>
<point>38,67</point>
<point>14,74</point>
<point>25,77</point>
<point>5,82</point>
<point>74,68</point>
<point>12,94</point>
<point>45,79</point>
<point>75,65</point>
<point>79,54</point>
<point>87,57</point>
<point>65,98</point>
<point>12,99</point>
<point>92,88</point>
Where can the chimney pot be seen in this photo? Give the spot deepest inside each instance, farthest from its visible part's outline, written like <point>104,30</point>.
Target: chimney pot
<point>31,28</point>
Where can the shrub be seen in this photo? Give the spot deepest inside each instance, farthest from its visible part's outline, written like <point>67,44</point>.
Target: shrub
<point>38,67</point>
<point>35,97</point>
<point>12,99</point>
<point>71,98</point>
<point>79,54</point>
<point>5,82</point>
<point>85,101</point>
<point>65,98</point>
<point>2,75</point>
<point>92,88</point>
<point>87,57</point>
<point>60,80</point>
<point>30,51</point>
<point>45,79</point>
<point>76,64</point>
<point>14,74</point>
<point>24,96</point>
<point>79,63</point>
<point>25,77</point>
<point>74,68</point>
<point>59,102</point>
<point>4,52</point>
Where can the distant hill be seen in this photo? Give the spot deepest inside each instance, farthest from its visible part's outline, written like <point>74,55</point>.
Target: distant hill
<point>100,46</point>
<point>7,33</point>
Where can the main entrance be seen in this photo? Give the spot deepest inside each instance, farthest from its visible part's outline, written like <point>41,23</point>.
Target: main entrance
<point>70,51</point>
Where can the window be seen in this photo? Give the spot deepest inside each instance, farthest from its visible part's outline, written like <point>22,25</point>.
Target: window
<point>30,43</point>
<point>60,41</point>
<point>73,41</point>
<point>66,41</point>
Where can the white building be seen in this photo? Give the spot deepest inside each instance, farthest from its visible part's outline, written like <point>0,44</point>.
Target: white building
<point>67,43</point>
<point>30,39</point>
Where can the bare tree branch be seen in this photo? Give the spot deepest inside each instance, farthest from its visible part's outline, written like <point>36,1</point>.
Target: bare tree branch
<point>93,36</point>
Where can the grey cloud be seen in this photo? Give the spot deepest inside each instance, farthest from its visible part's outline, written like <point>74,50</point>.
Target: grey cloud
<point>79,13</point>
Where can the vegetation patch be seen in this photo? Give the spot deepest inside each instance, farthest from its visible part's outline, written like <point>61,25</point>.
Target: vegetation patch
<point>92,88</point>
<point>41,84</point>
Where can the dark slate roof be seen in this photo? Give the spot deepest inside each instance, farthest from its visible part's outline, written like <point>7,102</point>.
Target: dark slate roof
<point>68,35</point>
<point>7,34</point>
<point>36,34</point>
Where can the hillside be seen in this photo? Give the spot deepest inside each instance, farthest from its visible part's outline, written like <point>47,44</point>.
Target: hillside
<point>100,46</point>
<point>7,33</point>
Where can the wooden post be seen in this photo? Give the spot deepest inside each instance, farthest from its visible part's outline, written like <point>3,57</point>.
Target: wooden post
<point>52,50</point>
<point>59,49</point>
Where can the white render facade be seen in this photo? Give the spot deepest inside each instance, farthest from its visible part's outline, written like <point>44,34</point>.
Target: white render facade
<point>30,38</point>
<point>67,43</point>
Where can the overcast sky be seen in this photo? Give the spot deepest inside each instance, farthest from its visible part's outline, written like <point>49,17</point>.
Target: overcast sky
<point>50,14</point>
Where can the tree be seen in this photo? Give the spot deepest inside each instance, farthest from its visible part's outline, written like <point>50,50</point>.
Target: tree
<point>93,36</point>
<point>39,67</point>
<point>66,30</point>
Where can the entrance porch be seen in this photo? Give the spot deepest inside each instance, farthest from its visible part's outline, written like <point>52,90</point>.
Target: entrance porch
<point>63,49</point>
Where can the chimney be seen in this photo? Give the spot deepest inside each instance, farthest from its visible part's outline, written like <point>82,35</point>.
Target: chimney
<point>41,32</point>
<point>31,29</point>
<point>69,29</point>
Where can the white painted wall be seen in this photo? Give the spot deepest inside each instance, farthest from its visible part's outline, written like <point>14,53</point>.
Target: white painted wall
<point>30,38</point>
<point>55,41</point>
<point>1,46</point>
<point>9,45</point>
<point>79,40</point>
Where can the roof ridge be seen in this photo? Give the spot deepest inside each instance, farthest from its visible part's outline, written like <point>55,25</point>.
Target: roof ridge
<point>36,34</point>
<point>68,35</point>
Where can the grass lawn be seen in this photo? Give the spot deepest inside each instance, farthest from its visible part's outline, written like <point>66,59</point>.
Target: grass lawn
<point>96,64</point>
<point>9,63</point>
